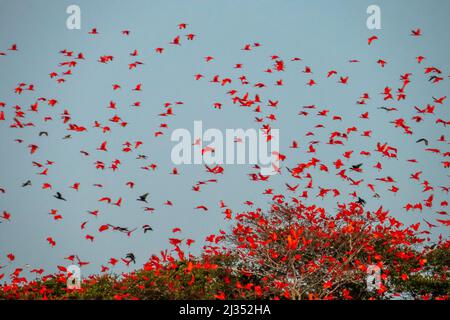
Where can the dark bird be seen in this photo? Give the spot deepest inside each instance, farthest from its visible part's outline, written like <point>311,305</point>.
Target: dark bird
<point>422,140</point>
<point>361,201</point>
<point>143,197</point>
<point>26,184</point>
<point>59,196</point>
<point>120,229</point>
<point>387,109</point>
<point>356,166</point>
<point>146,228</point>
<point>67,137</point>
<point>43,133</point>
<point>131,257</point>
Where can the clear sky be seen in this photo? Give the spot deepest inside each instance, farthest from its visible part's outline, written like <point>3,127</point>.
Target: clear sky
<point>324,34</point>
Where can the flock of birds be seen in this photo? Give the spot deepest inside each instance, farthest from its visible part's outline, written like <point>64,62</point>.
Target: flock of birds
<point>246,95</point>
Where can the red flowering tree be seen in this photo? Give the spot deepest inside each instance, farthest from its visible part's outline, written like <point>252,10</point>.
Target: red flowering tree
<point>302,252</point>
<point>292,251</point>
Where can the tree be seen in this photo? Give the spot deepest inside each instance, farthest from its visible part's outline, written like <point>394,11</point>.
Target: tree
<point>292,251</point>
<point>303,252</point>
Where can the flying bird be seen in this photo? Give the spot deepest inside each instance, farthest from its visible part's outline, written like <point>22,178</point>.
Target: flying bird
<point>59,196</point>
<point>143,197</point>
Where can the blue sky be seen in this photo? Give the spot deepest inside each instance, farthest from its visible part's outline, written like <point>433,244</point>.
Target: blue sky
<point>324,34</point>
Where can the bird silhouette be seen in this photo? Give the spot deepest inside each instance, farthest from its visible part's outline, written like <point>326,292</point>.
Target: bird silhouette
<point>422,140</point>
<point>131,256</point>
<point>143,197</point>
<point>26,184</point>
<point>361,201</point>
<point>146,228</point>
<point>59,196</point>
